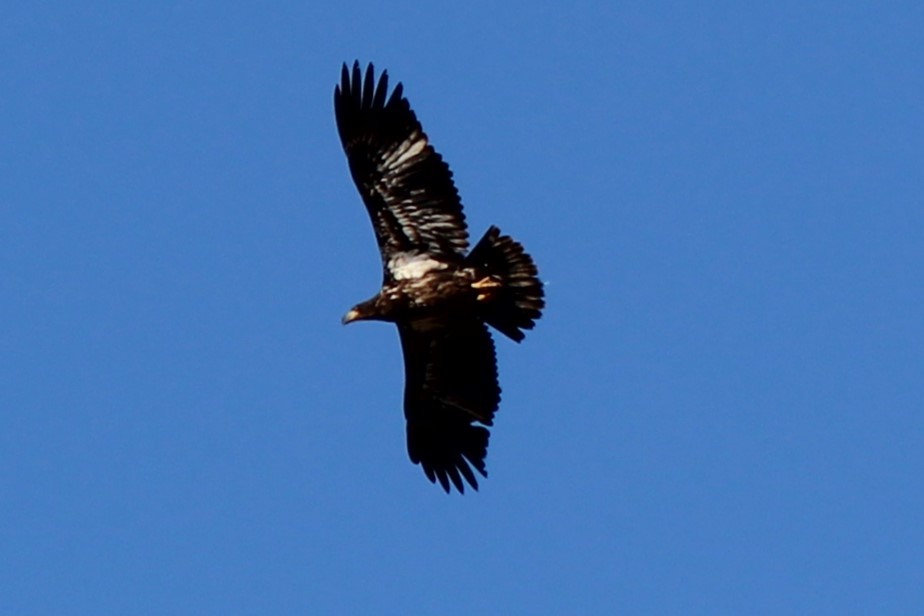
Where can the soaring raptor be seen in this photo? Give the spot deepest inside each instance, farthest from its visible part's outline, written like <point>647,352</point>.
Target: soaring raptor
<point>441,298</point>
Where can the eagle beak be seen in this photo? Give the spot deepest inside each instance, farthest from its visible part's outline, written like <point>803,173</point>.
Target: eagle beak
<point>351,316</point>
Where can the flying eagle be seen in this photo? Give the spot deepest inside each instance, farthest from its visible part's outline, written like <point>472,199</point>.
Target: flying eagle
<point>439,297</point>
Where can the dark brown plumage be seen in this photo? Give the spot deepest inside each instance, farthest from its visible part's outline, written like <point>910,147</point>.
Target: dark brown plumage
<point>441,298</point>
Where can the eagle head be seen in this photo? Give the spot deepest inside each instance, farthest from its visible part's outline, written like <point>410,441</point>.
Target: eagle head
<point>362,311</point>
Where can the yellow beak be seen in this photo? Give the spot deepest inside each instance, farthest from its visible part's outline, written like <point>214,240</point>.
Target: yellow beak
<point>351,316</point>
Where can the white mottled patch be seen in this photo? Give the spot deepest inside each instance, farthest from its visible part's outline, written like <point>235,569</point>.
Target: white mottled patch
<point>410,148</point>
<point>407,266</point>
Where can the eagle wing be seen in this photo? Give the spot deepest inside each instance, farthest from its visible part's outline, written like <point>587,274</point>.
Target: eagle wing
<point>450,385</point>
<point>405,184</point>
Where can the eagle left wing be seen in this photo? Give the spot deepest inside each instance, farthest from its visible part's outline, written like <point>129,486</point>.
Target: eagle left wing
<point>405,184</point>
<point>450,385</point>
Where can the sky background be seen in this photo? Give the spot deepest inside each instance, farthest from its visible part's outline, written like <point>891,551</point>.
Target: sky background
<point>720,412</point>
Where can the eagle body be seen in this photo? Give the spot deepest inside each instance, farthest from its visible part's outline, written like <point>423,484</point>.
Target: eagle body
<point>424,288</point>
<point>441,298</point>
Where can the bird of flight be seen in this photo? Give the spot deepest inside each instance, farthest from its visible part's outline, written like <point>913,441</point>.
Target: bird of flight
<point>440,298</point>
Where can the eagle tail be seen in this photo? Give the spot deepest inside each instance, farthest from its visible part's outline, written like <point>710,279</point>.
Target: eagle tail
<point>519,299</point>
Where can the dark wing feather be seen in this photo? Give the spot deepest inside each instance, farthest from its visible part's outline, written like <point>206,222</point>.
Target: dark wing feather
<point>450,384</point>
<point>404,182</point>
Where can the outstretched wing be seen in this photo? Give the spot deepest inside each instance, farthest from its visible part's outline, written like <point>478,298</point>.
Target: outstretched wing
<point>404,182</point>
<point>450,386</point>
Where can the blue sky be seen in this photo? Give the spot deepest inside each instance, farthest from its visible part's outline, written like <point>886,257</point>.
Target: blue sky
<point>719,413</point>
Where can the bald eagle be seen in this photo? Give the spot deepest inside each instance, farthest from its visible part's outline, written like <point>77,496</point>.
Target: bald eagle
<point>440,298</point>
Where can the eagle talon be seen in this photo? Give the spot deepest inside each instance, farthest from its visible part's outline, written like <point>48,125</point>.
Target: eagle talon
<point>488,282</point>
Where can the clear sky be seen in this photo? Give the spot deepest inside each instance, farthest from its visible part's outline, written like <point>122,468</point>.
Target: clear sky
<point>720,413</point>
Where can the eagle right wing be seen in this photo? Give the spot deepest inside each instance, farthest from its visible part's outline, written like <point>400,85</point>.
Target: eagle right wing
<point>405,184</point>
<point>450,385</point>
